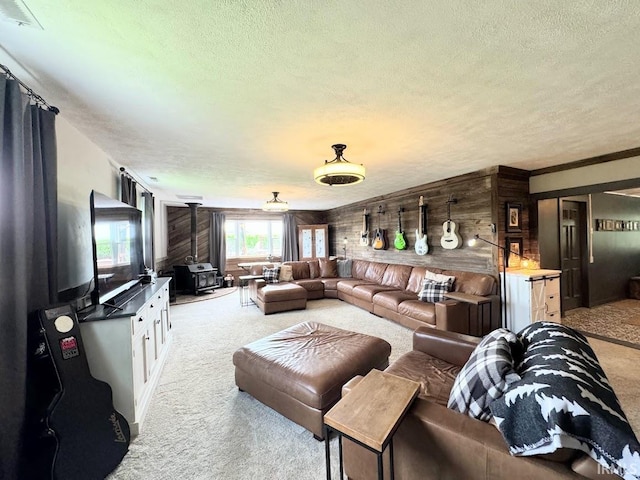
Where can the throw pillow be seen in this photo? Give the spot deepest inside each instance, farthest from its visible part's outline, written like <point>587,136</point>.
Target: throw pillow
<point>344,268</point>
<point>328,268</point>
<point>433,291</point>
<point>564,400</point>
<point>438,277</point>
<point>271,275</point>
<point>485,377</point>
<point>286,273</point>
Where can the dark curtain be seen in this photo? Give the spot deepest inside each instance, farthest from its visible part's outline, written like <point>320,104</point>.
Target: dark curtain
<point>28,220</point>
<point>149,260</point>
<point>217,242</point>
<point>289,238</point>
<point>128,193</point>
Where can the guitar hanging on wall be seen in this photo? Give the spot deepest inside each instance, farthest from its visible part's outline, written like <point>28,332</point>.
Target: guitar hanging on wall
<point>400,242</point>
<point>379,240</point>
<point>421,247</point>
<point>364,234</point>
<point>450,238</point>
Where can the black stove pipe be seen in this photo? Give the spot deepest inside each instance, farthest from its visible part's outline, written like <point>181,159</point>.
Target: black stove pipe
<point>194,232</point>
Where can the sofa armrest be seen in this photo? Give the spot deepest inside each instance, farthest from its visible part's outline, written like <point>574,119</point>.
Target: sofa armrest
<point>452,315</point>
<point>254,286</point>
<point>452,347</point>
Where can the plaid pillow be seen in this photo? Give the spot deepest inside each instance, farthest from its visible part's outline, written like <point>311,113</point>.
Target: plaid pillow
<point>271,275</point>
<point>433,291</point>
<point>485,377</point>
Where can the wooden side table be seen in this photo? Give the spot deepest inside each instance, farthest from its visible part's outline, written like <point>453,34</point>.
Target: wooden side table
<point>369,415</point>
<point>480,312</point>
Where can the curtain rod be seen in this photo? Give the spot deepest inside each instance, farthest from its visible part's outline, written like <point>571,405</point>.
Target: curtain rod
<point>32,95</point>
<point>124,172</point>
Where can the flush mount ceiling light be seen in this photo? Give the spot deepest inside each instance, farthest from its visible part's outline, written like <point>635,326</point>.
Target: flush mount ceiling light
<point>275,204</point>
<point>339,172</point>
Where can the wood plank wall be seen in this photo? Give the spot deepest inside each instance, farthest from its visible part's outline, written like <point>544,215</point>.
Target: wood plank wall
<point>481,198</point>
<point>481,201</point>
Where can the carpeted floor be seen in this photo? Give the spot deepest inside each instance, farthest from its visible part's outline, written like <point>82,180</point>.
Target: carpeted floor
<point>199,426</point>
<point>181,298</point>
<point>618,322</point>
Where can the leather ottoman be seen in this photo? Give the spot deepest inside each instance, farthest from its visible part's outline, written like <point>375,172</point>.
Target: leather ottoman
<point>281,297</point>
<point>300,371</point>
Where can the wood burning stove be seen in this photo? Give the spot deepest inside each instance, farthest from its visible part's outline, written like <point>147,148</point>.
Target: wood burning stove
<point>196,278</point>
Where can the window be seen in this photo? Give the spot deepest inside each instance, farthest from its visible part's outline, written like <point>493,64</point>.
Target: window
<point>253,238</point>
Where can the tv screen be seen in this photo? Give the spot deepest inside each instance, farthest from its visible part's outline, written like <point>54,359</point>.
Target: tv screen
<point>117,247</point>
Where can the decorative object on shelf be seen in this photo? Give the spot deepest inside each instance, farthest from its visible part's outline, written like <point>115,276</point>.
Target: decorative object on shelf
<point>379,240</point>
<point>275,204</point>
<point>514,246</point>
<point>421,247</point>
<point>339,172</point>
<point>400,242</point>
<point>609,225</point>
<point>450,238</point>
<point>514,217</point>
<point>364,234</point>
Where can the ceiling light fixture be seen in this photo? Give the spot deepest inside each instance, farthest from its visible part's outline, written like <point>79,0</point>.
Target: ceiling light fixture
<point>275,204</point>
<point>339,172</point>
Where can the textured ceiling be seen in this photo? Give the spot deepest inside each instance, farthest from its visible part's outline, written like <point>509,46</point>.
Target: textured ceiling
<point>234,99</point>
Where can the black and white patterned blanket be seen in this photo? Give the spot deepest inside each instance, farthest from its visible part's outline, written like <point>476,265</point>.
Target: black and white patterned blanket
<point>564,400</point>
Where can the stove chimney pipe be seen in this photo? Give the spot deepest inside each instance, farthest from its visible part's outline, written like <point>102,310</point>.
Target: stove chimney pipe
<point>194,233</point>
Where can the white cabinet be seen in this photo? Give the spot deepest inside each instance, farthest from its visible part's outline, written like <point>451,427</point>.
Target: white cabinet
<point>531,296</point>
<point>127,349</point>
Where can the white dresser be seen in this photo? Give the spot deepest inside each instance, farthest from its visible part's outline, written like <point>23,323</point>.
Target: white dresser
<point>531,296</point>
<point>128,348</point>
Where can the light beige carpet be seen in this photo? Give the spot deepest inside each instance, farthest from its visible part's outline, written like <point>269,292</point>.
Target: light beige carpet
<point>199,426</point>
<point>181,299</point>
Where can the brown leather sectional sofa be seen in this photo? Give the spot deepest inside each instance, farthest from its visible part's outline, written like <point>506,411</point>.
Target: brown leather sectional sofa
<point>435,442</point>
<point>391,291</point>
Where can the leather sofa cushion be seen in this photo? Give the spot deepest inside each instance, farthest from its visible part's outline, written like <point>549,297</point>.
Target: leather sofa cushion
<point>347,286</point>
<point>300,270</point>
<point>366,292</point>
<point>328,268</point>
<point>330,283</point>
<point>281,292</point>
<point>415,279</point>
<point>311,285</point>
<point>359,268</point>
<point>375,272</point>
<point>311,361</point>
<point>425,312</point>
<point>435,376</point>
<point>391,299</point>
<point>473,283</point>
<point>314,268</point>
<point>397,276</point>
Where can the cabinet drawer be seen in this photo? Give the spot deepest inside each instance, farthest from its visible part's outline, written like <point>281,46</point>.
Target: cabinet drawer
<point>552,316</point>
<point>138,322</point>
<point>552,303</point>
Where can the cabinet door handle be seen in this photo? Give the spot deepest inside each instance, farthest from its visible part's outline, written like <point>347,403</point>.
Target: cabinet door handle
<point>147,337</point>
<point>140,319</point>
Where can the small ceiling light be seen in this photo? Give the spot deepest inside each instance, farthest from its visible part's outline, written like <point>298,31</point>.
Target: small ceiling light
<point>339,172</point>
<point>275,204</point>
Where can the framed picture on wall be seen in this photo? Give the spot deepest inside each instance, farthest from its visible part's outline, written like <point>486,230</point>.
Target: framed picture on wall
<point>514,250</point>
<point>514,217</point>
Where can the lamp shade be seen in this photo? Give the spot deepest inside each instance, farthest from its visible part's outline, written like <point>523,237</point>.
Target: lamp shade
<point>275,204</point>
<point>339,172</point>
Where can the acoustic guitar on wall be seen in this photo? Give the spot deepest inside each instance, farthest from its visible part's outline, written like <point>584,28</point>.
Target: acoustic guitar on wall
<point>364,234</point>
<point>450,238</point>
<point>400,242</point>
<point>379,239</point>
<point>421,247</point>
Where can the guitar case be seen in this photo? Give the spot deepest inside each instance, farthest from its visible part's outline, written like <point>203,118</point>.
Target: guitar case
<point>84,436</point>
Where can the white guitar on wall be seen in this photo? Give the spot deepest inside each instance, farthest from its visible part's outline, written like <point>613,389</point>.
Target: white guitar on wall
<point>364,234</point>
<point>422,248</point>
<point>450,238</point>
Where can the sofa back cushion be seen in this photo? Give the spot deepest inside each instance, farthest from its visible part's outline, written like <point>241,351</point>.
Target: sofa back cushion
<point>375,271</point>
<point>257,269</point>
<point>344,268</point>
<point>415,279</point>
<point>397,276</point>
<point>359,269</point>
<point>473,283</point>
<point>328,268</point>
<point>299,270</point>
<point>314,269</point>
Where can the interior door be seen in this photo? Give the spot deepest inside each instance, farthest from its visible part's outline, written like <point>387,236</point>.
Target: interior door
<point>573,240</point>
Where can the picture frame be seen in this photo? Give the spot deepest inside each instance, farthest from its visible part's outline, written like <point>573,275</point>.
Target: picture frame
<point>619,225</point>
<point>636,225</point>
<point>514,252</point>
<point>609,225</point>
<point>513,217</point>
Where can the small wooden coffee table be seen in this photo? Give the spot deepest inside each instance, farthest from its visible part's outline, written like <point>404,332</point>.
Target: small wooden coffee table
<point>369,415</point>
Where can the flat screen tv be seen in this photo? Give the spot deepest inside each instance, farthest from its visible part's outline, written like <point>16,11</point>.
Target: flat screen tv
<point>118,257</point>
